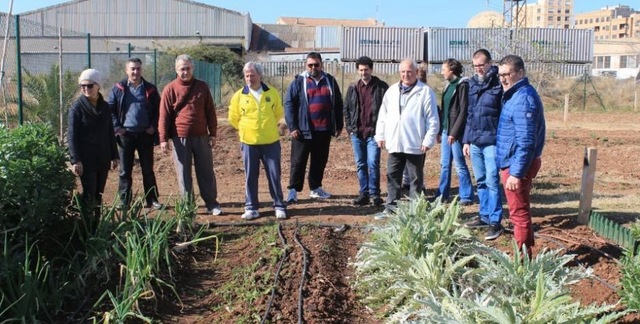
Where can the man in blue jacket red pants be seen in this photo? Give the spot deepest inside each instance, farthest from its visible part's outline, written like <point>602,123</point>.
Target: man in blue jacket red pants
<point>520,140</point>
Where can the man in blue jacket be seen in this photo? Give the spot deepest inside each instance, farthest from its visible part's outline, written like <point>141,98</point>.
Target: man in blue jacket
<point>485,97</point>
<point>313,112</point>
<point>521,134</point>
<point>134,104</point>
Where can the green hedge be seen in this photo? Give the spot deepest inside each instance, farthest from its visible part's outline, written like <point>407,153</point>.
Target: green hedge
<point>35,184</point>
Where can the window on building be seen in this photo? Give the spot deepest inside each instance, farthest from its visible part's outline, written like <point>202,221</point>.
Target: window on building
<point>597,20</point>
<point>567,11</point>
<point>559,19</point>
<point>549,18</point>
<point>566,26</point>
<point>614,27</point>
<point>608,18</point>
<point>614,36</point>
<point>539,10</point>
<point>591,20</point>
<point>538,18</point>
<point>623,61</point>
<point>596,29</point>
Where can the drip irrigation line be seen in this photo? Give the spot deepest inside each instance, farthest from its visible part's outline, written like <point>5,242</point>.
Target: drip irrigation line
<point>277,274</point>
<point>304,274</point>
<point>337,227</point>
<point>557,240</point>
<point>583,244</point>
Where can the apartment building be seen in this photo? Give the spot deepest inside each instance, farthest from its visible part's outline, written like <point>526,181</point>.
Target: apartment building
<point>612,22</point>
<point>550,14</point>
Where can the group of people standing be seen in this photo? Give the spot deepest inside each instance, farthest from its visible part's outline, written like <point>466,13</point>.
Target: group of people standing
<point>495,117</point>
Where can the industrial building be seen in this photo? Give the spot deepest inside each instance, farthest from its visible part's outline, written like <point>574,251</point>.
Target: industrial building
<point>151,24</point>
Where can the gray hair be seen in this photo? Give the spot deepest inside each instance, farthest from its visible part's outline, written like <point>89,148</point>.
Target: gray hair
<point>413,64</point>
<point>184,57</point>
<point>255,66</point>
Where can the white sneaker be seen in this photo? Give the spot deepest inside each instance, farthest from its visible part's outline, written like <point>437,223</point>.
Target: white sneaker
<point>319,193</point>
<point>215,211</point>
<point>250,214</point>
<point>293,196</point>
<point>281,214</point>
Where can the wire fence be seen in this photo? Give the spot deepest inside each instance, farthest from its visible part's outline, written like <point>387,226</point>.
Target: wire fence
<point>51,59</point>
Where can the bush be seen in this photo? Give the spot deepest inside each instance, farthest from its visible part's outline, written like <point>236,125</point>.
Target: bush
<point>35,185</point>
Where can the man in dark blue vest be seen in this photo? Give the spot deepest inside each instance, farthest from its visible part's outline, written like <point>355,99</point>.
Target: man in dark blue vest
<point>134,104</point>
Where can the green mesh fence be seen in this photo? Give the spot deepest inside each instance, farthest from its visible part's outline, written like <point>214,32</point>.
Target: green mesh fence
<point>47,50</point>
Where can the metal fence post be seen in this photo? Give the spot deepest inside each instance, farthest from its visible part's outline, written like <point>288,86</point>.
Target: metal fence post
<point>129,49</point>
<point>88,50</point>
<point>155,66</point>
<point>19,70</point>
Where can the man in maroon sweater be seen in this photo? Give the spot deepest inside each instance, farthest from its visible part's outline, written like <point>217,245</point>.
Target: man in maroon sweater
<point>188,119</point>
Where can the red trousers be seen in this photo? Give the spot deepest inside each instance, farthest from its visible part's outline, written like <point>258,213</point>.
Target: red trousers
<point>520,206</point>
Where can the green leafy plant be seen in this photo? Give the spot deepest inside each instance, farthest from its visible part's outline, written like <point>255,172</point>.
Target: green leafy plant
<point>35,185</point>
<point>415,252</point>
<point>630,280</point>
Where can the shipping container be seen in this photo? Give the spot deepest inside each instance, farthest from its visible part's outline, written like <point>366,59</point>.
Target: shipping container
<point>532,44</point>
<point>382,44</point>
<point>328,36</point>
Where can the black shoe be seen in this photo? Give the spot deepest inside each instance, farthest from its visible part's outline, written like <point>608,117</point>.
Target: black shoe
<point>378,202</point>
<point>155,205</point>
<point>478,223</point>
<point>466,202</point>
<point>361,200</point>
<point>494,232</point>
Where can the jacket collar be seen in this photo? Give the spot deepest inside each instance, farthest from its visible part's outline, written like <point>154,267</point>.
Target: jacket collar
<point>245,89</point>
<point>523,82</point>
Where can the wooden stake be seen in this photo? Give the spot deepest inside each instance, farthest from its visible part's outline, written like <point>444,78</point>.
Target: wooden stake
<point>588,179</point>
<point>566,109</point>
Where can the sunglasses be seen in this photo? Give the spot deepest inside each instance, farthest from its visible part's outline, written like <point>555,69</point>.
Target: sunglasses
<point>313,65</point>
<point>88,86</point>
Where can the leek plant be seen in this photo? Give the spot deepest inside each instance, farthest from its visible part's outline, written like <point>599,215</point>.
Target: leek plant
<point>630,282</point>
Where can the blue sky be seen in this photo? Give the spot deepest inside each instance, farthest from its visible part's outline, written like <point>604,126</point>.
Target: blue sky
<point>404,13</point>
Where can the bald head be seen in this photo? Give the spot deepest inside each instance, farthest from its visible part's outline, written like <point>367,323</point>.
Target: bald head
<point>408,72</point>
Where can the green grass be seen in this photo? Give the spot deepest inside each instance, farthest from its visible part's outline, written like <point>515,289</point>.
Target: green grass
<point>248,283</point>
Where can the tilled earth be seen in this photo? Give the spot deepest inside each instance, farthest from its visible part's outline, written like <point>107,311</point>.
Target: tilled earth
<point>327,296</point>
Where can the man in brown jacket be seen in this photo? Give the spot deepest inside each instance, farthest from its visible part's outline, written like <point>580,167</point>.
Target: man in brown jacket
<point>188,119</point>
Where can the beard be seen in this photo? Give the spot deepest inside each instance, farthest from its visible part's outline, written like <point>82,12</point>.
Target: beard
<point>481,78</point>
<point>314,73</point>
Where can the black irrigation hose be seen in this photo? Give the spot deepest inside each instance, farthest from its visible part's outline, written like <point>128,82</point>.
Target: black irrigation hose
<point>602,281</point>
<point>337,227</point>
<point>277,275</point>
<point>304,274</point>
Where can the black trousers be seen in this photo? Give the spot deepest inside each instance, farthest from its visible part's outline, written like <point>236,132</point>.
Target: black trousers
<point>301,149</point>
<point>395,166</point>
<point>127,145</point>
<point>93,183</point>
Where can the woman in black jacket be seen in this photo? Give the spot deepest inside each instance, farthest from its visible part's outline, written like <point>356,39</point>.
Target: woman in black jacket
<point>92,142</point>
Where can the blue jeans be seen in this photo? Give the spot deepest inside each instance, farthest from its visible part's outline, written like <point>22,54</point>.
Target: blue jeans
<point>453,153</point>
<point>367,155</point>
<point>483,161</point>
<point>269,155</point>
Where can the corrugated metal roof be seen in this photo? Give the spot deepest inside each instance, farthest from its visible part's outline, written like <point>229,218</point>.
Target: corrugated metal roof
<point>146,18</point>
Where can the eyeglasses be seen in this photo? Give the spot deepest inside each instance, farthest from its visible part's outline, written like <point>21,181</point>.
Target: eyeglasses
<point>88,85</point>
<point>479,65</point>
<point>504,75</point>
<point>313,65</point>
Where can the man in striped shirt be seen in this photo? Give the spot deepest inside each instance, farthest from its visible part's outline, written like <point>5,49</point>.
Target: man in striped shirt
<point>313,111</point>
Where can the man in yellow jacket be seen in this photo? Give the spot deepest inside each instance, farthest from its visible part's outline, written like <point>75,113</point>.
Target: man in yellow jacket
<point>255,111</point>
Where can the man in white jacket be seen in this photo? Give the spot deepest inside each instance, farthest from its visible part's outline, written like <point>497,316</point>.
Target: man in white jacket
<point>407,127</point>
